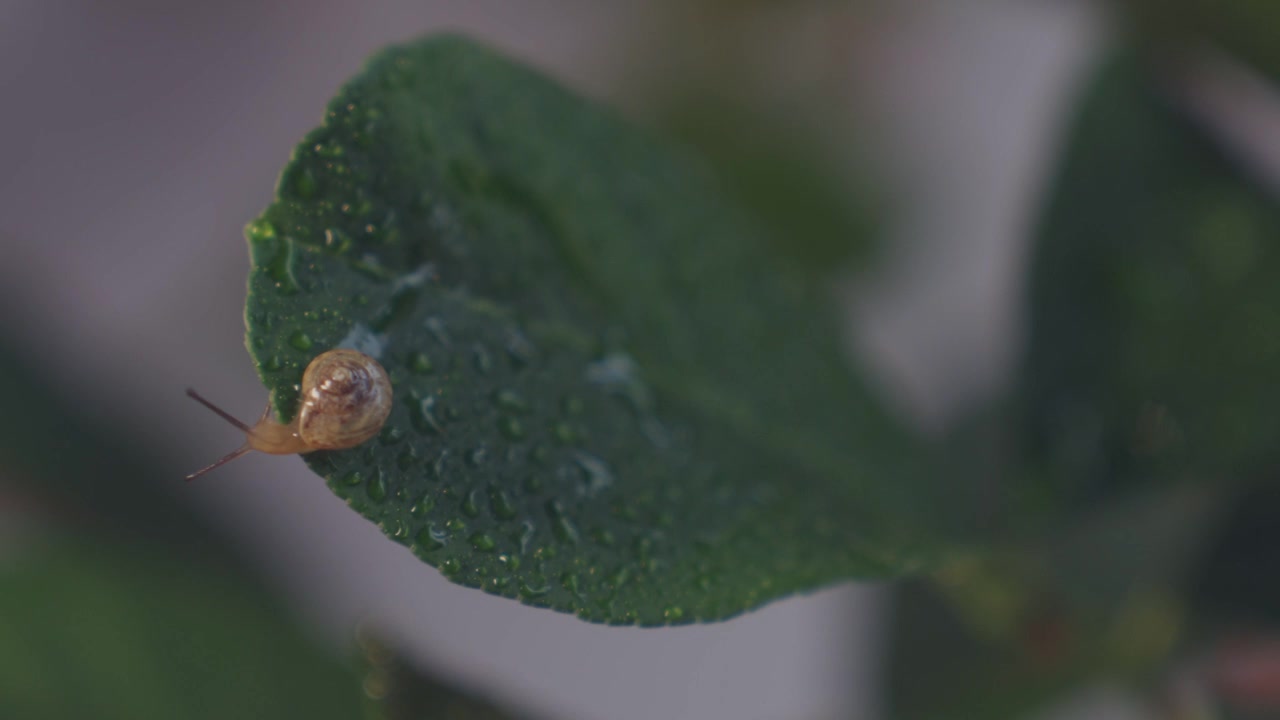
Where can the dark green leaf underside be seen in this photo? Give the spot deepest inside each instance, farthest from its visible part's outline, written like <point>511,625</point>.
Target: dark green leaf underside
<point>1155,338</point>
<point>1150,383</point>
<point>609,399</point>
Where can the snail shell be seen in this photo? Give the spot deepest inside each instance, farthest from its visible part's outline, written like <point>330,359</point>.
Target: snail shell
<point>346,399</point>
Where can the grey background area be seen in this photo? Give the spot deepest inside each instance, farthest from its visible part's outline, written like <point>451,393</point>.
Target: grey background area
<point>138,137</point>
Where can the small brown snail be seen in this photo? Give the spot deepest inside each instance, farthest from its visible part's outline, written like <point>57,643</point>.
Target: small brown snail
<point>346,398</point>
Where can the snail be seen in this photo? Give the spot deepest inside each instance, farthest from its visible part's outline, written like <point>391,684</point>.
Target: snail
<point>346,398</point>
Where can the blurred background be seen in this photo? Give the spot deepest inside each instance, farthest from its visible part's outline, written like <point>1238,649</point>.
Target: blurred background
<point>139,137</point>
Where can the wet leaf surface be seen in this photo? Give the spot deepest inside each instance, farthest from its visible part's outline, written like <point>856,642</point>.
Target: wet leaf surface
<point>611,400</point>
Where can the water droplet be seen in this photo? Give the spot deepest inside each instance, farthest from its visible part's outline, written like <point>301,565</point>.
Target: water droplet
<point>377,487</point>
<point>526,537</point>
<point>420,364</point>
<point>534,587</point>
<point>563,432</point>
<point>423,416</point>
<point>509,401</point>
<point>355,477</point>
<point>299,182</point>
<point>337,240</point>
<point>483,542</point>
<point>424,505</point>
<point>331,149</point>
<point>673,613</point>
<point>471,505</point>
<point>390,435</point>
<point>300,341</point>
<point>483,362</point>
<point>436,327</point>
<point>437,465</point>
<point>519,349</point>
<point>451,567</point>
<point>570,583</point>
<point>644,548</point>
<point>364,138</point>
<point>429,538</point>
<point>362,337</point>
<point>619,374</point>
<point>595,473</point>
<point>455,525</point>
<point>539,455</point>
<point>619,577</point>
<point>561,526</point>
<point>273,363</point>
<point>511,428</point>
<point>477,457</point>
<point>260,230</point>
<point>407,459</point>
<point>397,530</point>
<point>511,561</point>
<point>501,504</point>
<point>371,266</point>
<point>281,267</point>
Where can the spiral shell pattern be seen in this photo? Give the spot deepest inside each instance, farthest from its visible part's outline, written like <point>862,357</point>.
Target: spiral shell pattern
<point>346,399</point>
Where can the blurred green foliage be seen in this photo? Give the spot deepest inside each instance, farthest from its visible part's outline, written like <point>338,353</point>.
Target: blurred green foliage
<point>1154,351</point>
<point>1144,417</point>
<point>1243,28</point>
<point>135,631</point>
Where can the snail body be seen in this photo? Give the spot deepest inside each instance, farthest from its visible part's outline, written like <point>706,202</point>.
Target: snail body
<point>346,399</point>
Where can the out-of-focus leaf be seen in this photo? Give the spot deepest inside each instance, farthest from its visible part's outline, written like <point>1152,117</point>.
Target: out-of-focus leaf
<point>104,631</point>
<point>1249,29</point>
<point>1154,352</point>
<point>1002,635</point>
<point>1236,586</point>
<point>611,398</point>
<point>1144,409</point>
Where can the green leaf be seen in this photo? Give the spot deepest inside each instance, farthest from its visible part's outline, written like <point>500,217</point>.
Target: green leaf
<point>1146,410</point>
<point>1236,586</point>
<point>1154,353</point>
<point>1248,29</point>
<point>1105,602</point>
<point>132,632</point>
<point>610,399</point>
